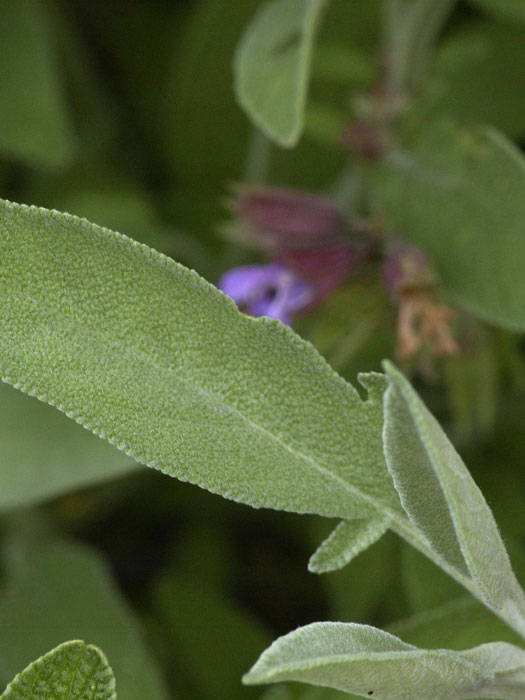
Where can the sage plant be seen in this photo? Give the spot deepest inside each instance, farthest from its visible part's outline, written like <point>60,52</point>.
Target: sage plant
<point>213,386</point>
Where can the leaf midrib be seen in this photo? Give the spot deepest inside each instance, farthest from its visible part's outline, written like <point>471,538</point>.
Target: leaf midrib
<point>211,399</point>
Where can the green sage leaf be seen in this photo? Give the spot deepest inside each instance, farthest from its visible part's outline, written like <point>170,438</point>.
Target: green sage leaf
<point>55,590</point>
<point>348,539</point>
<point>72,671</point>
<point>146,354</point>
<point>477,77</point>
<point>371,663</point>
<point>461,197</point>
<point>272,66</point>
<point>443,502</point>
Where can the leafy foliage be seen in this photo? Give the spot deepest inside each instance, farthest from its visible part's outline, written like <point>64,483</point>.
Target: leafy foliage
<point>272,66</point>
<point>395,109</point>
<point>369,662</point>
<point>443,502</point>
<point>36,125</point>
<point>72,671</point>
<point>160,380</point>
<point>54,590</point>
<point>44,454</point>
<point>460,197</point>
<point>348,539</point>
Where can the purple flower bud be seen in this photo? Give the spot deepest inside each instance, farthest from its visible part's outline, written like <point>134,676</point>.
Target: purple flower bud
<point>325,269</point>
<point>289,218</point>
<point>406,267</point>
<point>271,290</point>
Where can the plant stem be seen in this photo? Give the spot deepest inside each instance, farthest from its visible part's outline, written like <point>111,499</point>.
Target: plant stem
<point>258,158</point>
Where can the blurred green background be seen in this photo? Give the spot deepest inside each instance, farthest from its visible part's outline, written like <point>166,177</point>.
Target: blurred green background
<point>124,113</point>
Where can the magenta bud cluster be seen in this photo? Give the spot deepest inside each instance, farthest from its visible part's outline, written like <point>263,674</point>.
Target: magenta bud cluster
<point>306,236</point>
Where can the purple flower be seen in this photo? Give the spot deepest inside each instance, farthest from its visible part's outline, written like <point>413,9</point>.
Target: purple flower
<point>278,219</point>
<point>267,290</point>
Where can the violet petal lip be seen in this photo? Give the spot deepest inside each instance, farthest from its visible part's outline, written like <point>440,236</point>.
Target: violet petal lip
<point>267,290</point>
<point>243,284</point>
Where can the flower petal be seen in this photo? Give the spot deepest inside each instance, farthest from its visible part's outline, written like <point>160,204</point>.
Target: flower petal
<point>245,284</point>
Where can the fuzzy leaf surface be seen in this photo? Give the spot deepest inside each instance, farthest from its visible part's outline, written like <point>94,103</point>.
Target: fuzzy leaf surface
<point>371,663</point>
<point>272,66</point>
<point>72,671</point>
<point>146,354</point>
<point>348,539</point>
<point>461,197</point>
<point>443,502</point>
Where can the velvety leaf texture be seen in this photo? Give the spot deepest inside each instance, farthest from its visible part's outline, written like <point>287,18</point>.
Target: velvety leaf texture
<point>443,502</point>
<point>371,663</point>
<point>72,671</point>
<point>272,66</point>
<point>146,354</point>
<point>348,539</point>
<point>461,197</point>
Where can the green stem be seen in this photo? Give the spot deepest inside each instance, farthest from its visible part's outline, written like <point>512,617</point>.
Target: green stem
<point>404,529</point>
<point>258,158</point>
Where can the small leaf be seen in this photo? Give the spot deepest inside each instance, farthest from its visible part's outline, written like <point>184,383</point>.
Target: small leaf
<point>461,197</point>
<point>272,66</point>
<point>72,671</point>
<point>58,590</point>
<point>443,502</point>
<point>348,539</point>
<point>146,354</point>
<point>374,664</point>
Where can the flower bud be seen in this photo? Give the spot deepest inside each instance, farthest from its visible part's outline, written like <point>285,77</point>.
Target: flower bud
<point>283,218</point>
<point>325,269</point>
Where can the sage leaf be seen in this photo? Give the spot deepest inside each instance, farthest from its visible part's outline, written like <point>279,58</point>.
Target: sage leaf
<point>36,124</point>
<point>371,663</point>
<point>348,539</point>
<point>43,454</point>
<point>477,77</point>
<point>461,197</point>
<point>149,356</point>
<point>72,671</point>
<point>56,590</point>
<point>272,66</point>
<point>443,502</point>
